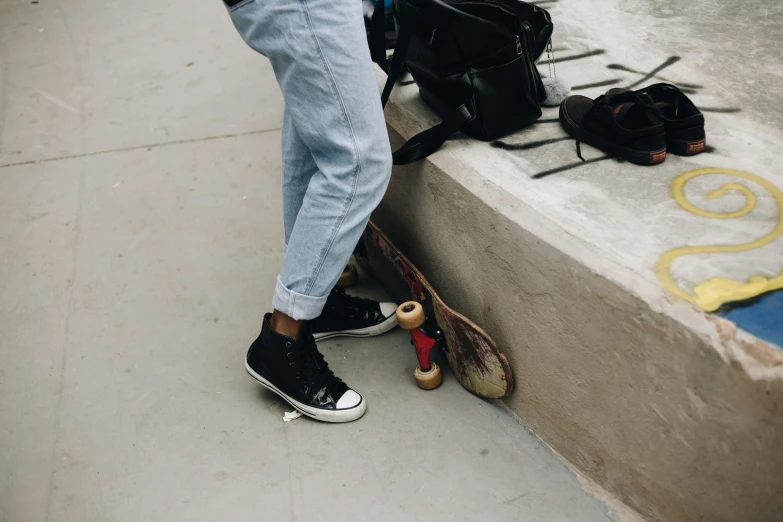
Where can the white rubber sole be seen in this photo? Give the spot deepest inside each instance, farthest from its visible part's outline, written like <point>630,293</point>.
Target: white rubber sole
<point>346,415</point>
<point>371,331</point>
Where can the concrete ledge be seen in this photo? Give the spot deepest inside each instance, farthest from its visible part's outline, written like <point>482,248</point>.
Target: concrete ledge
<point>654,411</point>
<point>674,410</point>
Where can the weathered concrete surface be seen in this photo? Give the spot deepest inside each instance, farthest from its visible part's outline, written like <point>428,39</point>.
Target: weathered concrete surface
<point>85,76</point>
<point>138,251</point>
<point>132,284</point>
<point>670,408</point>
<point>649,408</point>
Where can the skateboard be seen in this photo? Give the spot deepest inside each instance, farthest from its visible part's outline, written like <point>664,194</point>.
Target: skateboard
<point>473,356</point>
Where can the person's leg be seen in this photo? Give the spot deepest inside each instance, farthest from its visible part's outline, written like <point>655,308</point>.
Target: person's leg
<point>318,49</point>
<point>298,169</point>
<point>319,52</point>
<point>343,315</point>
<point>330,90</point>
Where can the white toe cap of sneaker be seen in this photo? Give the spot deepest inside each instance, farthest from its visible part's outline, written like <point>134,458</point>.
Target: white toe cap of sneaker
<point>388,309</point>
<point>350,399</point>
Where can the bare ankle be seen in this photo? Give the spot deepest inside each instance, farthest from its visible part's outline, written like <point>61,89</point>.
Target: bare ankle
<point>285,325</point>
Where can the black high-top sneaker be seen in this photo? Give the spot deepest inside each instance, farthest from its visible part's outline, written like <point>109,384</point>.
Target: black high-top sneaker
<point>349,316</point>
<point>297,372</point>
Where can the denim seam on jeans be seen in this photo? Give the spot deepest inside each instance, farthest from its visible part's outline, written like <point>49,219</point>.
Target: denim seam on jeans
<point>357,157</point>
<point>290,303</point>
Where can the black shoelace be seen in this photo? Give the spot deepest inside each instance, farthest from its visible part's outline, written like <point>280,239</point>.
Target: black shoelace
<point>315,372</point>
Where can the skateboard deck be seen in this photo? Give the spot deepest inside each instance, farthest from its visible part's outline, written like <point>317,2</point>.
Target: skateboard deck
<point>472,354</point>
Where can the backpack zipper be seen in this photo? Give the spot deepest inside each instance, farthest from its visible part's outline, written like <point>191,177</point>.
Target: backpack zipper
<point>519,44</point>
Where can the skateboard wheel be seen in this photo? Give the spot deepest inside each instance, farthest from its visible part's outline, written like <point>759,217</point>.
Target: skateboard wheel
<point>428,380</point>
<point>349,277</point>
<point>410,315</point>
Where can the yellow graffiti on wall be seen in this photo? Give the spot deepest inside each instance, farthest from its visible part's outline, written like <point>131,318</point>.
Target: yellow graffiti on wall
<point>711,294</point>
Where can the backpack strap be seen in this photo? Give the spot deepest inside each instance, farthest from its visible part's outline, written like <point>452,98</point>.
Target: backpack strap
<point>378,36</point>
<point>398,60</point>
<point>427,142</point>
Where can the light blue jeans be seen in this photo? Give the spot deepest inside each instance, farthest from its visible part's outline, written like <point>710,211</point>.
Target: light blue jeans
<point>336,152</point>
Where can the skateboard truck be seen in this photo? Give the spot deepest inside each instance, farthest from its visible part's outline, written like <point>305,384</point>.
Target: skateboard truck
<point>411,317</point>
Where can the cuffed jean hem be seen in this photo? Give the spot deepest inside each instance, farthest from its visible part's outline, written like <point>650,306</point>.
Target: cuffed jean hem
<point>297,306</point>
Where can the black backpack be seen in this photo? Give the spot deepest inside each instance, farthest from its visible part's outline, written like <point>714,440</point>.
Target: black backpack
<point>474,63</point>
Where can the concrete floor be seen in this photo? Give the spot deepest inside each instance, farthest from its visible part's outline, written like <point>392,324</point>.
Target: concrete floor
<point>140,237</point>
